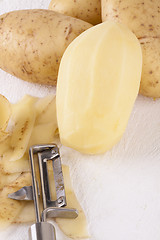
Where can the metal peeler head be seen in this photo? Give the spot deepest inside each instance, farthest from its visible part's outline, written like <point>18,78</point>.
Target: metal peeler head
<point>52,209</point>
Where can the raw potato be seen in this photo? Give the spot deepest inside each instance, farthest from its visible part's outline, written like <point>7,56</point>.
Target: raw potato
<point>87,10</point>
<point>150,83</point>
<point>33,42</point>
<point>143,18</point>
<point>93,106</point>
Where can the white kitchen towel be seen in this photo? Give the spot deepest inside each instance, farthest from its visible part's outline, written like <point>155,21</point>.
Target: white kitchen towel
<point>119,190</point>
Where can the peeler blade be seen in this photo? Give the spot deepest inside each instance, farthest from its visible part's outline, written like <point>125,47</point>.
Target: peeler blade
<point>25,193</point>
<point>51,209</point>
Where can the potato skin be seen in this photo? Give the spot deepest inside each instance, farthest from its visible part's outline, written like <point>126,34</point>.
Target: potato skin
<point>150,82</point>
<point>87,10</point>
<point>143,18</point>
<point>32,43</point>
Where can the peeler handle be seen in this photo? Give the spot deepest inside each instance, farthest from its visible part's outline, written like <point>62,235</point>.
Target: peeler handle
<point>42,231</point>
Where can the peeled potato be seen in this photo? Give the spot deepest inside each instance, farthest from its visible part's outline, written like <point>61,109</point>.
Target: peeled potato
<point>98,83</point>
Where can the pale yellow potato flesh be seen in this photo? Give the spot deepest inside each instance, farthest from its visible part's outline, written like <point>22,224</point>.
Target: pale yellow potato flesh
<point>73,228</point>
<point>48,111</point>
<point>143,18</point>
<point>36,40</point>
<point>87,10</point>
<point>27,214</point>
<point>42,134</point>
<point>7,178</point>
<point>20,165</point>
<point>42,104</point>
<point>5,111</point>
<point>98,83</point>
<point>3,135</point>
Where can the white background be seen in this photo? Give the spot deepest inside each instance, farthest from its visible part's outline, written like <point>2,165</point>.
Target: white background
<point>120,190</point>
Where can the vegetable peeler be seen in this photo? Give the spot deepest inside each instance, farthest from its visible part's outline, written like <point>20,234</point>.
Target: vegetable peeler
<point>42,229</point>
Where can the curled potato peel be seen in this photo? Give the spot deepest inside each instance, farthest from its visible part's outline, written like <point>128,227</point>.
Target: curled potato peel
<point>5,113</point>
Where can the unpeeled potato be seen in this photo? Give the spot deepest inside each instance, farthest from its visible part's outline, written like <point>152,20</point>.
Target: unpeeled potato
<point>87,10</point>
<point>143,18</point>
<point>32,43</point>
<point>150,82</point>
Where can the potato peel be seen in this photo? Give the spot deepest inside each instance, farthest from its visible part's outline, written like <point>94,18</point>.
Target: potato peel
<point>9,209</point>
<point>23,118</point>
<point>73,228</point>
<point>33,121</point>
<point>20,165</point>
<point>5,110</point>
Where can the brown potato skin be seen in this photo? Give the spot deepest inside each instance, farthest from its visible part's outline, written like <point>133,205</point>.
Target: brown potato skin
<point>86,10</point>
<point>143,18</point>
<point>150,81</point>
<point>32,43</point>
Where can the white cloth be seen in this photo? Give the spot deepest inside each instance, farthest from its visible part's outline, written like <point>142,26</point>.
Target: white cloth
<point>120,190</point>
